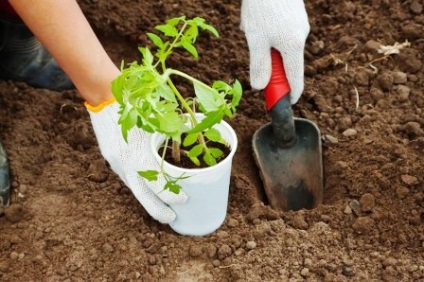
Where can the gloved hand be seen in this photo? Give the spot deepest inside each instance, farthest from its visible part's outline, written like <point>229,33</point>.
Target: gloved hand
<point>126,159</point>
<point>279,24</point>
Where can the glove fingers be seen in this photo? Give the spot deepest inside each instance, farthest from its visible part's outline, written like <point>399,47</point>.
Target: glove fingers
<point>260,61</point>
<point>294,67</point>
<point>153,205</point>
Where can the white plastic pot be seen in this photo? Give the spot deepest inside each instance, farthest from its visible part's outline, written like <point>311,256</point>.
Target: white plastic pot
<point>207,189</point>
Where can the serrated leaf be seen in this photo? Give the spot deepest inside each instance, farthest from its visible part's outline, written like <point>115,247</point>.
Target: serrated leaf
<point>191,33</point>
<point>150,175</point>
<point>175,21</point>
<point>169,122</point>
<point>168,30</point>
<point>155,39</point>
<point>173,186</point>
<point>188,46</point>
<point>166,93</point>
<point>147,56</point>
<point>207,97</point>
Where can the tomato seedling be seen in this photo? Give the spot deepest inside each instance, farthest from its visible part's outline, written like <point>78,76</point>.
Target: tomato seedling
<point>150,98</point>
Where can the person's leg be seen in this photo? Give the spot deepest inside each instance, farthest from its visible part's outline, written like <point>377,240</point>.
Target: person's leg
<point>4,180</point>
<point>23,58</point>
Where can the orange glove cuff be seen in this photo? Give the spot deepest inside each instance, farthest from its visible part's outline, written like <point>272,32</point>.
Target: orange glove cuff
<point>99,107</point>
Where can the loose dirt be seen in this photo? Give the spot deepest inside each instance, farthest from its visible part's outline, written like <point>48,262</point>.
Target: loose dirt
<point>72,219</point>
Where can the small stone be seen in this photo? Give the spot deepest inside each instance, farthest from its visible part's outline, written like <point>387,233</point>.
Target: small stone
<point>298,221</point>
<point>195,251</point>
<point>222,234</point>
<point>330,139</point>
<point>344,123</point>
<point>137,275</point>
<point>107,248</point>
<point>216,263</point>
<point>304,272</point>
<point>347,210</point>
<point>372,45</point>
<point>363,224</point>
<point>251,245</point>
<point>348,271</point>
<point>409,179</point>
<point>14,255</point>
<point>232,222</point>
<point>367,202</point>
<point>403,93</point>
<point>402,192</point>
<point>356,207</point>
<point>399,77</point>
<point>98,171</point>
<point>416,7</point>
<point>308,262</point>
<point>239,252</point>
<point>349,132</point>
<point>385,81</point>
<point>224,251</point>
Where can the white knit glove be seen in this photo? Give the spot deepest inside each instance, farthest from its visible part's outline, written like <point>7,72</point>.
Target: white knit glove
<point>279,24</point>
<point>126,159</point>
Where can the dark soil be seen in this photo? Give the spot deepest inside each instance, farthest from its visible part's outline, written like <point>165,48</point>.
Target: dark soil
<point>72,219</point>
<point>186,162</point>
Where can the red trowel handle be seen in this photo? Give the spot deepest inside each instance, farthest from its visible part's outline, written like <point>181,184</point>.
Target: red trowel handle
<point>277,97</point>
<point>278,86</point>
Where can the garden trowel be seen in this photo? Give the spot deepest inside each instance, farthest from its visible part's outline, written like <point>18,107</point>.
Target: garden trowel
<point>288,150</point>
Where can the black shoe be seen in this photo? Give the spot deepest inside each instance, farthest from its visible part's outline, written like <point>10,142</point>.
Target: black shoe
<point>4,179</point>
<point>23,58</point>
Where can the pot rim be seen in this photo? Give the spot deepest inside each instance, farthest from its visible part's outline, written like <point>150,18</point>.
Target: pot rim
<point>233,149</point>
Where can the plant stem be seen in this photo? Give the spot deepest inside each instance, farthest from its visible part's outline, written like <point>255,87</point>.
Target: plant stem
<point>176,151</point>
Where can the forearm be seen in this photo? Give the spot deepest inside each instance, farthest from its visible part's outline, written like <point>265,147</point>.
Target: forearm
<point>66,33</point>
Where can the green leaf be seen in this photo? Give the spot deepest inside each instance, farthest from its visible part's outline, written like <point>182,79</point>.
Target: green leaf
<point>195,151</point>
<point>150,175</point>
<point>195,161</point>
<point>190,139</point>
<point>173,186</point>
<point>214,135</point>
<point>216,153</point>
<point>147,56</point>
<point>168,30</point>
<point>166,92</point>
<point>175,21</point>
<point>237,94</point>
<point>156,39</point>
<point>169,122</point>
<point>221,86</point>
<point>211,29</point>
<point>208,122</point>
<point>191,34</point>
<point>188,46</point>
<point>207,96</point>
<point>209,159</point>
